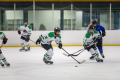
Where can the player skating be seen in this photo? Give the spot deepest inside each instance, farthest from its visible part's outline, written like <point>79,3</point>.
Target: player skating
<point>46,40</point>
<point>102,32</point>
<point>25,36</point>
<point>91,37</point>
<point>3,60</point>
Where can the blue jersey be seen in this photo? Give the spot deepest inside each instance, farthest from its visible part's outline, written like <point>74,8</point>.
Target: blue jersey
<point>99,28</point>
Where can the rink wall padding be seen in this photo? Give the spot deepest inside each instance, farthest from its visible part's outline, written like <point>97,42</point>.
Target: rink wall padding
<point>69,38</point>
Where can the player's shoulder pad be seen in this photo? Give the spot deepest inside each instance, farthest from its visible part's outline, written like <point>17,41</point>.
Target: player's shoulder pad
<point>87,35</point>
<point>59,36</point>
<point>22,24</point>
<point>99,26</point>
<point>29,27</point>
<point>95,32</point>
<point>51,34</point>
<point>1,33</point>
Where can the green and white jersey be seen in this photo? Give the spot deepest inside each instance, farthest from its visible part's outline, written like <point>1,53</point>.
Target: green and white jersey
<point>49,37</point>
<point>88,39</point>
<point>2,35</point>
<point>26,30</point>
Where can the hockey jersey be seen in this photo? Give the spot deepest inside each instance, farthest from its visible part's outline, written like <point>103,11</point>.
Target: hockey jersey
<point>99,28</point>
<point>88,39</point>
<point>26,30</point>
<point>2,35</point>
<point>49,37</point>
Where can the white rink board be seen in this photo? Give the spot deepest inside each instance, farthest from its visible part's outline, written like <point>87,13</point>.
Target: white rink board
<point>68,37</point>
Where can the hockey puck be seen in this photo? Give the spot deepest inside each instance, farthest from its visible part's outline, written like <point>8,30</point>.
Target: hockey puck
<point>76,66</point>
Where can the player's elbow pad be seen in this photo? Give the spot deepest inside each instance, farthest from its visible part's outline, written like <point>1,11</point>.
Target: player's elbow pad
<point>19,32</point>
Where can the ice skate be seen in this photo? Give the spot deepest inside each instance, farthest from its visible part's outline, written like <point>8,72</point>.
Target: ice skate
<point>28,48</point>
<point>47,61</point>
<point>2,64</point>
<point>92,58</point>
<point>102,55</point>
<point>99,60</point>
<point>7,64</point>
<point>23,48</point>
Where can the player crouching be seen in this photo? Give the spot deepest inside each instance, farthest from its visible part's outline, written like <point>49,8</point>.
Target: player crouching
<point>89,41</point>
<point>2,57</point>
<point>46,40</point>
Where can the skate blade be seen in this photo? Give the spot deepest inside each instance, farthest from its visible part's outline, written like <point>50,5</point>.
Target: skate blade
<point>21,50</point>
<point>3,66</point>
<point>47,63</point>
<point>99,61</point>
<point>8,66</point>
<point>92,59</point>
<point>27,50</point>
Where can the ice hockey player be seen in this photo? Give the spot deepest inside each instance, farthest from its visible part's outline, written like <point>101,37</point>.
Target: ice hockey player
<point>46,40</point>
<point>3,60</point>
<point>25,36</point>
<point>91,37</point>
<point>102,32</point>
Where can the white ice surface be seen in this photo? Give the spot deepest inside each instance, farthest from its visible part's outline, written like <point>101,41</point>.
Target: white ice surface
<point>29,65</point>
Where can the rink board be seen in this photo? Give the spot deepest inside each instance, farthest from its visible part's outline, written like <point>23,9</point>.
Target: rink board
<point>68,38</point>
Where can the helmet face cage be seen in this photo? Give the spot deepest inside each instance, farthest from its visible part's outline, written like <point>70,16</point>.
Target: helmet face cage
<point>57,29</point>
<point>91,29</point>
<point>25,21</point>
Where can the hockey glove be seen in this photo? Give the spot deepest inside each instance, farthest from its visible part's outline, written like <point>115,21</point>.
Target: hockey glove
<point>38,41</point>
<point>60,45</point>
<point>4,40</point>
<point>103,34</point>
<point>85,46</point>
<point>19,32</point>
<point>95,40</point>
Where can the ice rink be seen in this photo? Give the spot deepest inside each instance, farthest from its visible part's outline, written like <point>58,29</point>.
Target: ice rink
<point>29,65</point>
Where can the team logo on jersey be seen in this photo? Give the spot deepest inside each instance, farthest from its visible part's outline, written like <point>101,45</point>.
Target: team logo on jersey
<point>24,31</point>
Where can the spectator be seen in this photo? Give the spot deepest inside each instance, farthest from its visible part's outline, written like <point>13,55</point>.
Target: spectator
<point>42,27</point>
<point>31,25</point>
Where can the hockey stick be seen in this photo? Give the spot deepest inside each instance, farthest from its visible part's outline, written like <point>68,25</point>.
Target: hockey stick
<point>30,39</point>
<point>74,58</point>
<point>79,50</point>
<point>73,54</point>
<point>1,45</point>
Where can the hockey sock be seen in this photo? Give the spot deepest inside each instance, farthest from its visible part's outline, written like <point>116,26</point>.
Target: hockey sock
<point>100,50</point>
<point>4,60</point>
<point>94,54</point>
<point>50,53</point>
<point>1,55</point>
<point>22,44</point>
<point>47,57</point>
<point>96,51</point>
<point>28,46</point>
